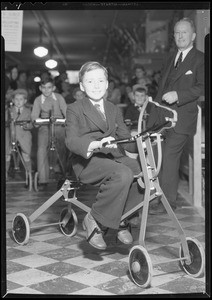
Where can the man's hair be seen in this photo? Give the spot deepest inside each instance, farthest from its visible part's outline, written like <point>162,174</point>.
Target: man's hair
<point>190,21</point>
<point>140,90</point>
<point>89,66</point>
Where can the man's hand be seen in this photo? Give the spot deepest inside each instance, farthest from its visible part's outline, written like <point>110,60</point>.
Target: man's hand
<point>108,140</point>
<point>170,97</point>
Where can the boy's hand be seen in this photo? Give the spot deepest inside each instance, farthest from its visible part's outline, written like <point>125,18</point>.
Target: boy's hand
<point>108,140</point>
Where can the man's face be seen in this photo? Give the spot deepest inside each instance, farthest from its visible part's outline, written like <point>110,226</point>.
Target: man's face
<point>140,98</point>
<point>94,84</point>
<point>47,89</point>
<point>184,35</point>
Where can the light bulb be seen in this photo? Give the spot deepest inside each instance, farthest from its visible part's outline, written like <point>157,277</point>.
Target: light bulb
<point>41,51</point>
<point>51,63</point>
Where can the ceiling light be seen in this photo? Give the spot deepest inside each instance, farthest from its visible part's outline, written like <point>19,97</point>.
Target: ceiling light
<point>51,63</point>
<point>37,79</point>
<point>40,50</point>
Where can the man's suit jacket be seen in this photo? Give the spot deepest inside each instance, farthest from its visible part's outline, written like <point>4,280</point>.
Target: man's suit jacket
<point>188,82</point>
<point>84,125</point>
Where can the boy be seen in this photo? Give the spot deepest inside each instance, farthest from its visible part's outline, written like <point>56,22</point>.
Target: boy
<point>19,112</point>
<point>48,104</point>
<point>133,110</point>
<point>107,168</point>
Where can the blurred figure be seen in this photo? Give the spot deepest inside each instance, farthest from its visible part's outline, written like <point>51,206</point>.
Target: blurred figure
<point>66,92</point>
<point>113,92</point>
<point>78,94</point>
<point>133,110</point>
<point>19,112</point>
<point>13,75</point>
<point>49,104</point>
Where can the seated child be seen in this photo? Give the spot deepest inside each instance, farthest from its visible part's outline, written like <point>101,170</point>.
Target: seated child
<point>49,104</point>
<point>133,110</point>
<point>89,124</point>
<point>19,112</point>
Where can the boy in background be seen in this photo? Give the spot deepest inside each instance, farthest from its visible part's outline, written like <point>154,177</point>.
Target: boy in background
<point>49,104</point>
<point>19,112</point>
<point>133,110</point>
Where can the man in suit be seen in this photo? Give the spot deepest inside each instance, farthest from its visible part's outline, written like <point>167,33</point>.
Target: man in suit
<point>181,84</point>
<point>106,167</point>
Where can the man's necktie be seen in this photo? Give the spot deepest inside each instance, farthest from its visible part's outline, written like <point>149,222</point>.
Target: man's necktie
<point>100,112</point>
<point>179,60</point>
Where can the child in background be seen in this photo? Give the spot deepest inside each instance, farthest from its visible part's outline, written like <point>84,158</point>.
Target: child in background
<point>133,110</point>
<point>19,112</point>
<point>49,104</point>
<point>78,94</point>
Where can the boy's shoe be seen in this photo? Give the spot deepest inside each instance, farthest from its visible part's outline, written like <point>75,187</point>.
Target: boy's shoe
<point>124,235</point>
<point>94,233</point>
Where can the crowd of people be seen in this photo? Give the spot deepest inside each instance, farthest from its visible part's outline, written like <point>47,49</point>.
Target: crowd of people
<point>88,128</point>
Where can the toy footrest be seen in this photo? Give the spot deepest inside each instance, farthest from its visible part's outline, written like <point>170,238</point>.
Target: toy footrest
<point>73,183</point>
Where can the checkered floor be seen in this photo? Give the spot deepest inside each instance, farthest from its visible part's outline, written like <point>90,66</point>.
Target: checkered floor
<point>52,263</point>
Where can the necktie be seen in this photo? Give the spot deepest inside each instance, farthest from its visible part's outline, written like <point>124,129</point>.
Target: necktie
<point>19,112</point>
<point>100,112</point>
<point>179,60</point>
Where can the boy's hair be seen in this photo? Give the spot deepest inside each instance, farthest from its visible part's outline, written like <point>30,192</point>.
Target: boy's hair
<point>20,92</point>
<point>47,80</point>
<point>89,66</point>
<point>140,90</point>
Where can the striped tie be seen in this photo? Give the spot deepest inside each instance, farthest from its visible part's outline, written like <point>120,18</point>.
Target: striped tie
<point>100,112</point>
<point>179,60</point>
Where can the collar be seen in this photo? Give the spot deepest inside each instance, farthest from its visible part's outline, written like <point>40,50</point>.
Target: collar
<point>43,98</point>
<point>185,52</point>
<point>21,109</point>
<point>136,105</point>
<point>100,102</point>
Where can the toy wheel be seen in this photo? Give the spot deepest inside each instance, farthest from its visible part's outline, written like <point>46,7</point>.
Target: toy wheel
<point>140,266</point>
<point>69,222</point>
<point>197,256</point>
<point>29,181</point>
<point>20,229</point>
<point>36,182</point>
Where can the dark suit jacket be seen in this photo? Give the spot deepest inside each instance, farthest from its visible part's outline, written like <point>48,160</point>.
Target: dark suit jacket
<point>84,125</point>
<point>189,85</point>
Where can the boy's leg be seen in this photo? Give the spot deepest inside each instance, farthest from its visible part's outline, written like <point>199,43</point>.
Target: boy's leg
<point>25,142</point>
<point>42,154</point>
<point>27,161</point>
<point>61,147</point>
<point>114,180</point>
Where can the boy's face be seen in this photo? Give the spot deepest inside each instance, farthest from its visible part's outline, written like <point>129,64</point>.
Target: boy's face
<point>47,89</point>
<point>94,84</point>
<point>19,100</point>
<point>140,98</point>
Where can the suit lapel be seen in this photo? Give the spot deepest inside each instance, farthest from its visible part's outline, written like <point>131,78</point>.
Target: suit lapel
<point>186,64</point>
<point>90,112</point>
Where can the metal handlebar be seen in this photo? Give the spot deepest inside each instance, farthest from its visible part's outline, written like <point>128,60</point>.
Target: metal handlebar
<point>54,120</point>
